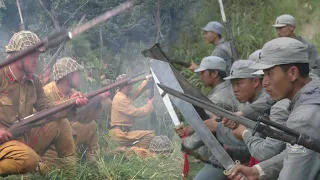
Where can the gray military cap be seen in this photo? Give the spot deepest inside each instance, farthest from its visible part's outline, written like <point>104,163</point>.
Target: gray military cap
<point>214,26</point>
<point>212,62</point>
<point>255,56</point>
<point>280,51</point>
<point>241,70</point>
<point>285,20</point>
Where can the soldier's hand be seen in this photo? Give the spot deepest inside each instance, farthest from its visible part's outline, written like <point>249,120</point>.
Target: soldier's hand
<point>251,173</point>
<point>180,131</point>
<point>211,123</point>
<point>183,131</point>
<point>239,131</point>
<point>80,99</point>
<point>229,123</point>
<point>105,95</point>
<point>4,136</point>
<point>193,66</point>
<point>151,101</point>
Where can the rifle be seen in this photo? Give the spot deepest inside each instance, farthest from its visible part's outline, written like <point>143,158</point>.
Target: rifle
<point>34,120</point>
<point>62,35</point>
<point>285,134</point>
<point>234,51</point>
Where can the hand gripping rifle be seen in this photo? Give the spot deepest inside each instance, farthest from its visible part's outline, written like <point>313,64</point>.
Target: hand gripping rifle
<point>285,134</point>
<point>58,37</point>
<point>34,120</point>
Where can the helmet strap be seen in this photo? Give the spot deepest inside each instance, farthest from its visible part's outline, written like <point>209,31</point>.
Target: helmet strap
<point>23,66</point>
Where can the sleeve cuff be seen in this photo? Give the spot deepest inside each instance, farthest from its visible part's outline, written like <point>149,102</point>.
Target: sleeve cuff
<point>261,172</point>
<point>243,133</point>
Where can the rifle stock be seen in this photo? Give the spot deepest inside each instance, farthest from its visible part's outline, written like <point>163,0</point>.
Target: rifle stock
<point>32,120</point>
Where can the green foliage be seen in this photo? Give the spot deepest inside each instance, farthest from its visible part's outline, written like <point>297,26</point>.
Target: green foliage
<point>251,24</point>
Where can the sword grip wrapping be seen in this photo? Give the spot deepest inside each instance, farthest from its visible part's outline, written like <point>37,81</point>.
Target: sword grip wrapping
<point>229,171</point>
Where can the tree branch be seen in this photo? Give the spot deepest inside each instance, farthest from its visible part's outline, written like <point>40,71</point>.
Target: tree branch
<point>72,15</point>
<point>55,22</point>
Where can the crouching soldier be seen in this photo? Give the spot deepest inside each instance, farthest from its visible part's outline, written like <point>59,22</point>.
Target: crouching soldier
<point>123,113</point>
<point>20,92</point>
<point>66,78</point>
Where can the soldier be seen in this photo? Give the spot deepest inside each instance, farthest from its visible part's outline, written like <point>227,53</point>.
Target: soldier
<point>285,64</point>
<point>21,91</point>
<point>213,35</point>
<point>123,113</point>
<point>285,26</point>
<point>247,86</point>
<point>212,71</point>
<point>66,78</point>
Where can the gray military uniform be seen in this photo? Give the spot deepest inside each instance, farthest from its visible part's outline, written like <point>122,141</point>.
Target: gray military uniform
<point>298,162</point>
<point>223,50</point>
<point>262,149</point>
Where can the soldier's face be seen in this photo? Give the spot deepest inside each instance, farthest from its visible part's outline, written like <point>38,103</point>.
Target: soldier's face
<point>285,31</point>
<point>245,89</point>
<point>76,79</point>
<point>209,37</point>
<point>206,77</point>
<point>30,62</point>
<point>277,83</point>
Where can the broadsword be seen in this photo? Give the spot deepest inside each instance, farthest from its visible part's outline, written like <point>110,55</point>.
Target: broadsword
<point>166,77</point>
<point>166,101</point>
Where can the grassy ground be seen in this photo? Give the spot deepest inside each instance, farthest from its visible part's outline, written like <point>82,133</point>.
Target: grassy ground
<point>117,166</point>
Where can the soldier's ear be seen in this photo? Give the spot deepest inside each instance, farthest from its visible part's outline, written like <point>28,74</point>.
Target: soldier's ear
<point>256,82</point>
<point>293,73</point>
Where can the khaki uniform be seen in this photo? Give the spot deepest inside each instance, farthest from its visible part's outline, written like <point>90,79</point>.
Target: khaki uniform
<point>122,119</point>
<point>83,133</point>
<point>17,100</point>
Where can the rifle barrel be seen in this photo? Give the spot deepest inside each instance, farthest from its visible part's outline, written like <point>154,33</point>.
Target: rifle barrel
<point>62,35</point>
<point>67,104</point>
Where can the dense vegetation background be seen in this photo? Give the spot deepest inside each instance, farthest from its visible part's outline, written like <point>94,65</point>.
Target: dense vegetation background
<point>173,23</point>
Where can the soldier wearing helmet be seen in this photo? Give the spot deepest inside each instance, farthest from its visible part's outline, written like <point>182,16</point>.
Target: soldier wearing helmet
<point>66,77</point>
<point>20,92</point>
<point>123,113</point>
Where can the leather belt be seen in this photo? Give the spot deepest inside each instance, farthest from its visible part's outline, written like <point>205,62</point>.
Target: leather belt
<point>123,128</point>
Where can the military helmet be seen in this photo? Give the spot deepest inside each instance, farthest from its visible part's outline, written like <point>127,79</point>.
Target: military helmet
<point>65,66</point>
<point>106,82</point>
<point>161,144</point>
<point>121,77</point>
<point>21,40</point>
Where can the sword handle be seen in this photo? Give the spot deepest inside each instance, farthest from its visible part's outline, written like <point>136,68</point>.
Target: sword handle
<point>229,171</point>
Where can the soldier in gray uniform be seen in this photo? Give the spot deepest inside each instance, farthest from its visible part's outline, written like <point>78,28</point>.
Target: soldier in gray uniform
<point>247,86</point>
<point>286,75</point>
<point>247,89</point>
<point>212,71</point>
<point>285,26</point>
<point>213,35</point>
